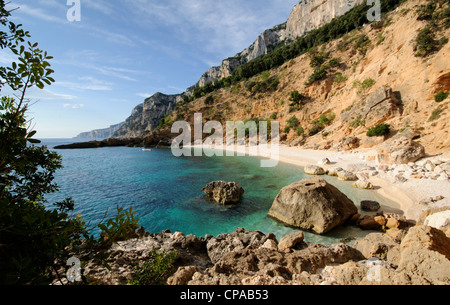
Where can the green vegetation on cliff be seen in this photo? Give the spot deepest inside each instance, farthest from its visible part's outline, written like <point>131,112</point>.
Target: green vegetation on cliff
<point>336,28</point>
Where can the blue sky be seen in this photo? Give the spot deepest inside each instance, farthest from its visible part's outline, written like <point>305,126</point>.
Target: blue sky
<point>123,51</point>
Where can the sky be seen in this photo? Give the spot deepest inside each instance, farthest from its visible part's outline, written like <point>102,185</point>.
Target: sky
<point>120,52</point>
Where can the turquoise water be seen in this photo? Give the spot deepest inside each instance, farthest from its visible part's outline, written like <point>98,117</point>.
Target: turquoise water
<point>166,191</point>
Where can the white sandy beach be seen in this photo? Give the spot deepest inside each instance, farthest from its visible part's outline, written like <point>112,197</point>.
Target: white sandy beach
<point>407,195</point>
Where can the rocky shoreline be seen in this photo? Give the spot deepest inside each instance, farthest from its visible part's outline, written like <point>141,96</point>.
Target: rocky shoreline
<point>409,248</point>
<point>418,256</point>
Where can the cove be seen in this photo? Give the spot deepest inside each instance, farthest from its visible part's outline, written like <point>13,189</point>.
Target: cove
<point>166,191</point>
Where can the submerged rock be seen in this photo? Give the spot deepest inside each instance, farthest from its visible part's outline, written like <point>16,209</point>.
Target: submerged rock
<point>312,204</point>
<point>224,192</point>
<point>370,206</point>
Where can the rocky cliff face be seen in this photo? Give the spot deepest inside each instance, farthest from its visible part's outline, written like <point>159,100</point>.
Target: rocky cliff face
<point>147,116</point>
<point>100,133</point>
<point>306,16</point>
<point>265,43</point>
<point>311,14</point>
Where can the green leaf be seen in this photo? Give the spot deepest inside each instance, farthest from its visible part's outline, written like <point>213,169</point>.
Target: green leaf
<point>34,141</point>
<point>32,133</point>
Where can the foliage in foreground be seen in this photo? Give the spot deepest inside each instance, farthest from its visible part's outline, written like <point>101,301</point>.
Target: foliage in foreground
<point>156,270</point>
<point>36,237</point>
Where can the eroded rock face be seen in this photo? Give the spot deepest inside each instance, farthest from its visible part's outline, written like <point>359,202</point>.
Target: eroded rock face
<point>309,15</point>
<point>376,108</point>
<point>401,149</point>
<point>404,150</point>
<point>224,192</point>
<point>312,204</point>
<point>147,116</point>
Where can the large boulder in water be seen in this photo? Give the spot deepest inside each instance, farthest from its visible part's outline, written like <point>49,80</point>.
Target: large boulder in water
<point>312,204</point>
<point>224,192</point>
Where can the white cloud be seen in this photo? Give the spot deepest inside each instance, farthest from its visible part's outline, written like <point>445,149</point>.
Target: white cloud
<point>87,83</point>
<point>40,13</point>
<point>223,28</point>
<point>73,106</point>
<point>35,93</point>
<point>144,95</point>
<point>99,5</point>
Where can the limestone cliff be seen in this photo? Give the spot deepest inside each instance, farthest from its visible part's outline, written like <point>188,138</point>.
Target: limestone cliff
<point>100,133</point>
<point>311,14</point>
<point>147,116</point>
<point>307,15</point>
<point>265,43</point>
<point>373,75</point>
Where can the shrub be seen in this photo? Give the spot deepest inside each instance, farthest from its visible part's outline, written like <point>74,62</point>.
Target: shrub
<point>358,122</point>
<point>209,100</point>
<point>300,131</point>
<point>317,60</point>
<point>296,97</point>
<point>120,228</point>
<point>339,78</point>
<point>315,129</point>
<point>327,119</point>
<point>319,73</point>
<point>250,85</point>
<point>425,12</point>
<point>333,62</point>
<point>361,43</point>
<point>379,130</point>
<point>364,86</point>
<point>440,96</point>
<point>293,122</point>
<point>425,42</point>
<point>436,114</point>
<point>156,270</point>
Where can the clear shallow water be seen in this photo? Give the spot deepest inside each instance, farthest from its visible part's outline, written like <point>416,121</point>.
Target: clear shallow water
<point>166,191</point>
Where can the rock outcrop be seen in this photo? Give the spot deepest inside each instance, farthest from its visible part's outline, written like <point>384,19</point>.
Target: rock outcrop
<point>420,256</point>
<point>314,170</point>
<point>147,116</point>
<point>110,142</point>
<point>224,192</point>
<point>376,108</point>
<point>101,133</point>
<point>308,15</point>
<point>265,43</point>
<point>312,204</point>
<point>401,149</point>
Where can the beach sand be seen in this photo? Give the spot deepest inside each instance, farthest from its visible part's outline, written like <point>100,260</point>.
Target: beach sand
<point>407,195</point>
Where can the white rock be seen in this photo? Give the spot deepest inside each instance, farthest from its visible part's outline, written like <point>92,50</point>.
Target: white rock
<point>362,176</point>
<point>439,220</point>
<point>334,171</point>
<point>363,185</point>
<point>270,244</point>
<point>429,166</point>
<point>443,177</point>
<point>314,170</point>
<point>325,161</point>
<point>438,169</point>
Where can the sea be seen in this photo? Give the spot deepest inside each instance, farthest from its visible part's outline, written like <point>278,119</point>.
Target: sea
<point>166,191</point>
